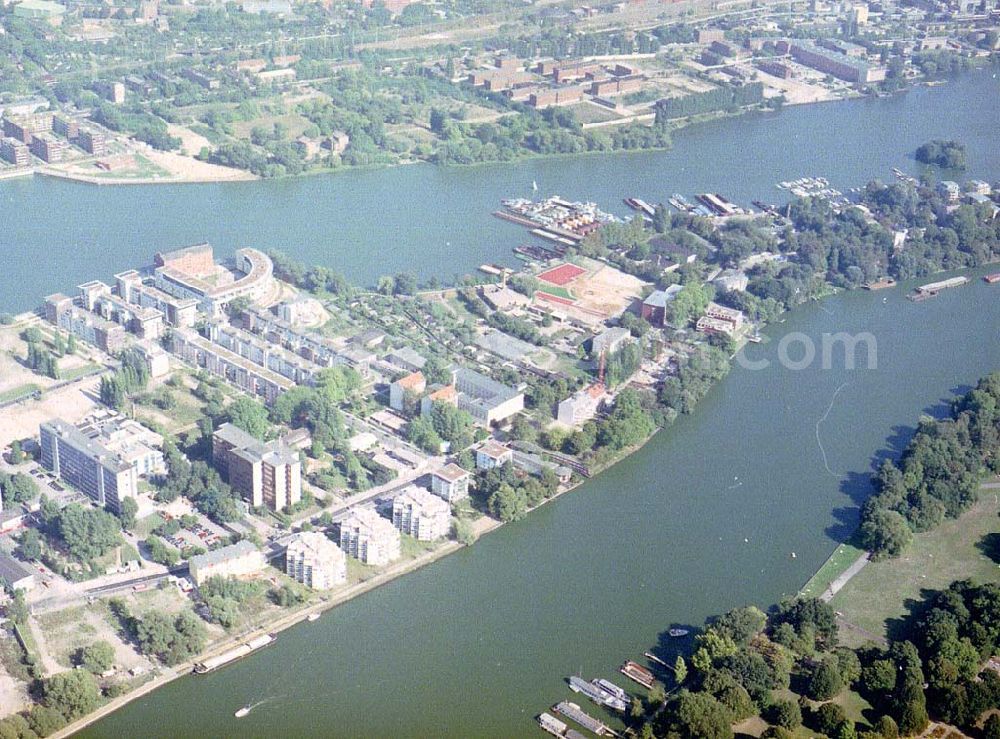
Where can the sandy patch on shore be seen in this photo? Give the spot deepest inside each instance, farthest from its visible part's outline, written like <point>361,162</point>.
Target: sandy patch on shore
<point>191,142</point>
<point>187,169</point>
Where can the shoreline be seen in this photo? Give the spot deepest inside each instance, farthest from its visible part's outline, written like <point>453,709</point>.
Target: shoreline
<point>246,176</point>
<point>482,526</point>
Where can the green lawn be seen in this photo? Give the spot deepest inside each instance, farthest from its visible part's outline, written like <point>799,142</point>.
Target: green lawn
<point>556,290</point>
<point>935,559</point>
<point>21,391</point>
<point>412,548</point>
<point>843,557</point>
<point>81,371</point>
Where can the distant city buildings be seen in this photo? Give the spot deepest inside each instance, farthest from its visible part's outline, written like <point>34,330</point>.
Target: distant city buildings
<point>264,473</point>
<point>236,560</point>
<point>315,561</point>
<point>421,514</point>
<point>368,537</point>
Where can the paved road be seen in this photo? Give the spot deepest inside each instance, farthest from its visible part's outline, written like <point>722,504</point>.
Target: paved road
<point>844,578</point>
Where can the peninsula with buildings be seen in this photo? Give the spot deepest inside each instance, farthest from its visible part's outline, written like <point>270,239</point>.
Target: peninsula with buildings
<point>207,450</point>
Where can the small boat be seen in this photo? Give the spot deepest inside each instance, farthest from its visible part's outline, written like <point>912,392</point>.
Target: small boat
<point>678,632</point>
<point>242,712</point>
<point>534,186</point>
<point>312,617</point>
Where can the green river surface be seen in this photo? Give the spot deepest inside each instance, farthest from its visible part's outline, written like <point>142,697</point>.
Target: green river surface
<point>704,518</point>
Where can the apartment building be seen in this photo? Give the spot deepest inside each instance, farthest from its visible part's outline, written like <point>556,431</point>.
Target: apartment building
<point>451,483</point>
<point>421,514</point>
<point>368,537</point>
<point>315,561</point>
<point>264,473</point>
<point>87,465</point>
<point>493,454</point>
<point>239,372</point>
<point>61,311</point>
<point>261,352</point>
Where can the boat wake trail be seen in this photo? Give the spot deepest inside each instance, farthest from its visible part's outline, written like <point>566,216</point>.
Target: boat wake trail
<point>819,441</point>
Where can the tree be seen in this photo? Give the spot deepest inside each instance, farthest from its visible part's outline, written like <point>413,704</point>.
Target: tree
<point>88,533</point>
<point>30,546</point>
<point>16,453</point>
<point>45,721</point>
<point>452,424</point>
<point>824,681</point>
<point>18,488</point>
<point>680,670</point>
<point>879,677</point>
<point>887,727</point>
<point>944,154</point>
<point>127,511</point>
<point>886,534</point>
<point>991,729</point>
<point>508,503</point>
<point>785,713</point>
<point>829,717</point>
<point>463,531</point>
<point>96,657</point>
<point>249,415</point>
<point>700,716</point>
<point>420,432</point>
<point>73,694</point>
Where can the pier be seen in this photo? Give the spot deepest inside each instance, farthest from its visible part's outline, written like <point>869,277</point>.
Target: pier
<point>575,713</point>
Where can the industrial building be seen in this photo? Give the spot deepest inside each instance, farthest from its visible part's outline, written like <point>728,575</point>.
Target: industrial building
<point>236,560</point>
<point>485,399</point>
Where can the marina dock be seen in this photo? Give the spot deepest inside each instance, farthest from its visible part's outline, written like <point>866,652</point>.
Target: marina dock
<point>575,713</point>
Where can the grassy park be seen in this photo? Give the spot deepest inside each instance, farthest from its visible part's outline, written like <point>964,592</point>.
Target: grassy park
<point>958,549</point>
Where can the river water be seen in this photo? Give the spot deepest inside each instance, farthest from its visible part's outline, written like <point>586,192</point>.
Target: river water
<point>436,221</point>
<point>704,518</point>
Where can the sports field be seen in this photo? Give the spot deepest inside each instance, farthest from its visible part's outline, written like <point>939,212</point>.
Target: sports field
<point>562,274</point>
